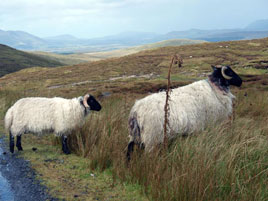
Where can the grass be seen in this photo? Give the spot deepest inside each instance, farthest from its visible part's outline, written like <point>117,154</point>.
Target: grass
<point>13,60</point>
<point>70,177</point>
<point>224,162</point>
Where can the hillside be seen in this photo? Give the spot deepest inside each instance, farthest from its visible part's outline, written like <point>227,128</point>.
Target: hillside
<point>21,40</point>
<point>12,60</point>
<point>229,159</point>
<point>99,55</point>
<point>245,56</point>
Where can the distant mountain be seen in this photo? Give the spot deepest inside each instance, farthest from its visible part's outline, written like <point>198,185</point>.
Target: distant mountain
<point>129,38</point>
<point>197,33</point>
<point>108,43</point>
<point>259,25</point>
<point>69,44</point>
<point>237,35</point>
<point>12,60</point>
<point>66,37</point>
<point>71,59</point>
<point>216,35</point>
<point>21,40</point>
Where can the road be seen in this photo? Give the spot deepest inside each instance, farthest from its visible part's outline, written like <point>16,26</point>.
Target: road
<point>17,180</point>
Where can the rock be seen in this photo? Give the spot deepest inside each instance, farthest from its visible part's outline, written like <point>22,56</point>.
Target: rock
<point>106,94</point>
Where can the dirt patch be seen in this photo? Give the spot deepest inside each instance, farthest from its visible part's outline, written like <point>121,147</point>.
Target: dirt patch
<point>124,77</point>
<point>147,88</point>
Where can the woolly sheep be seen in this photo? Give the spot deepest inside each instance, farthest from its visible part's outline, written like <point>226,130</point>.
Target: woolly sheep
<point>192,108</point>
<point>40,115</point>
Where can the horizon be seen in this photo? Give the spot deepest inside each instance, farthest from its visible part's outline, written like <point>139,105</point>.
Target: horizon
<point>123,32</point>
<point>99,18</point>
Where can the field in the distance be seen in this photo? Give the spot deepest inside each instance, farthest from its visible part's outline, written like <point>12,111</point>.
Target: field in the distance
<point>76,58</point>
<point>224,162</point>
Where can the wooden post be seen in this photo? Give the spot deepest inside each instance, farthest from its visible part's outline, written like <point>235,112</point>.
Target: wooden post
<point>176,60</point>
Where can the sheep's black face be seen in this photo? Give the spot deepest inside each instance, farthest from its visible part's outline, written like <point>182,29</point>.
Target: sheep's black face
<point>235,79</point>
<point>93,103</point>
<point>223,76</point>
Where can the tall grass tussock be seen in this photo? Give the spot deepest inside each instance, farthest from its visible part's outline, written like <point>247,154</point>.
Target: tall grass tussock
<point>224,162</point>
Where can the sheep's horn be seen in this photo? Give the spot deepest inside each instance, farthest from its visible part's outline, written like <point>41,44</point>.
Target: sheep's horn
<point>227,77</point>
<point>85,100</point>
<point>218,66</point>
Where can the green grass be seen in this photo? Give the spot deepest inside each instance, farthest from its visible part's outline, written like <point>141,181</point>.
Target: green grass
<point>12,60</point>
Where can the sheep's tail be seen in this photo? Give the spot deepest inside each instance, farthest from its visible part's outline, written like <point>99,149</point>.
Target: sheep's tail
<point>134,134</point>
<point>8,120</point>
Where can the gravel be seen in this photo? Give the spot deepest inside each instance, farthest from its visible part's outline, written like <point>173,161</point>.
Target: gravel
<point>20,177</point>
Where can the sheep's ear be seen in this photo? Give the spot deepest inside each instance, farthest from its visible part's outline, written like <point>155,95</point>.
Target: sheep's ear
<point>213,67</point>
<point>217,67</point>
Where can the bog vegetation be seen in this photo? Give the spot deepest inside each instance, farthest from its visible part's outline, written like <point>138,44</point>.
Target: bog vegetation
<point>13,60</point>
<point>225,162</point>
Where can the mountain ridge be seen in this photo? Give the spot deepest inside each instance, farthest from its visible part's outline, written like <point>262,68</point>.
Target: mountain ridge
<point>68,44</point>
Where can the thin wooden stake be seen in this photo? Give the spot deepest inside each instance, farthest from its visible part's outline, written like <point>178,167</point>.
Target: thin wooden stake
<point>175,60</point>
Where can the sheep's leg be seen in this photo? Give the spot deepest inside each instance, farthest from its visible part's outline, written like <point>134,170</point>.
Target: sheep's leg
<point>65,148</point>
<point>18,143</point>
<point>11,142</point>
<point>135,136</point>
<point>130,149</point>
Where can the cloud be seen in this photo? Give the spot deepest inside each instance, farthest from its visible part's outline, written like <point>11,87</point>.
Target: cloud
<point>38,9</point>
<point>31,14</point>
<point>105,17</point>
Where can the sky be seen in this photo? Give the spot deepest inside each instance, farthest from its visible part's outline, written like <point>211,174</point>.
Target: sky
<point>97,18</point>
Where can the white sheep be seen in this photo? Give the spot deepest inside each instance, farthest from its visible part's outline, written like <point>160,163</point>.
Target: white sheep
<point>192,108</point>
<point>40,115</point>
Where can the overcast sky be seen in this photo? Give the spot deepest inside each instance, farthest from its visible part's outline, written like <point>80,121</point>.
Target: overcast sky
<point>94,18</point>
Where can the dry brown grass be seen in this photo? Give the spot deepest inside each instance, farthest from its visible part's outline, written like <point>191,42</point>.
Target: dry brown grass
<point>225,162</point>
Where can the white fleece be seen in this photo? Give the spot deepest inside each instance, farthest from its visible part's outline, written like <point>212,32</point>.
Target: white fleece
<point>192,108</point>
<point>43,115</point>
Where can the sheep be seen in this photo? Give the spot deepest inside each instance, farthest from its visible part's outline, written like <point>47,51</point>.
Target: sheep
<point>39,115</point>
<point>192,108</point>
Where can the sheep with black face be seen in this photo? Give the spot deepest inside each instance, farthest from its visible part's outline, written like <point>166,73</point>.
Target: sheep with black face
<point>192,108</point>
<point>41,115</point>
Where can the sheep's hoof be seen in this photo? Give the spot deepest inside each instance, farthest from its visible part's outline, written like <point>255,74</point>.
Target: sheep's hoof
<point>20,148</point>
<point>66,152</point>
